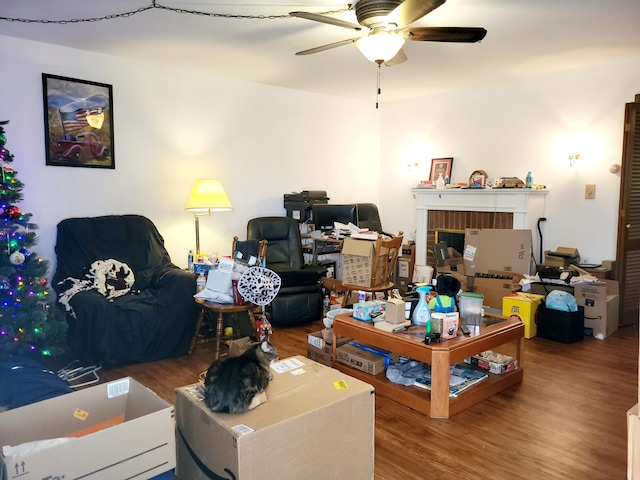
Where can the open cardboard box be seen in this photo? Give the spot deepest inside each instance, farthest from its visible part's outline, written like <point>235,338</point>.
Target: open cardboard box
<point>357,266</point>
<point>138,443</point>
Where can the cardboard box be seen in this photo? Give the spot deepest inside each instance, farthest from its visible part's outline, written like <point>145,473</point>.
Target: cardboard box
<point>524,306</point>
<point>317,423</point>
<point>139,443</point>
<point>363,310</point>
<point>495,289</point>
<point>394,310</point>
<point>601,273</point>
<point>446,256</point>
<point>601,307</point>
<point>497,249</point>
<point>406,263</point>
<point>509,364</point>
<point>321,350</point>
<point>357,262</point>
<point>564,327</point>
<point>365,358</point>
<point>562,257</point>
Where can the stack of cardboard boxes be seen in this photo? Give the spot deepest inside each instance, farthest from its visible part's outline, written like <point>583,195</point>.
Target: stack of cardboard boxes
<point>495,260</point>
<point>492,263</point>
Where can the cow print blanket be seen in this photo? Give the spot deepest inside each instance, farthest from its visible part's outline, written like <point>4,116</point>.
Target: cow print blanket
<point>110,278</point>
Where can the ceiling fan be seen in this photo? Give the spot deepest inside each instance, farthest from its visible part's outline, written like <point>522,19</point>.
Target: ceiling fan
<point>387,23</point>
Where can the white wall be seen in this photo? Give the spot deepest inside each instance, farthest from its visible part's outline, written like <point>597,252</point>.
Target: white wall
<point>172,128</point>
<point>525,125</point>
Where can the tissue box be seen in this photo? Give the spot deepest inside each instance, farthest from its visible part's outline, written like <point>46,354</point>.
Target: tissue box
<point>364,310</point>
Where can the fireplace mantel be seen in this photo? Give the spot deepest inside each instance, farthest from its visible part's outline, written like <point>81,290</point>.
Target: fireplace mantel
<point>527,205</point>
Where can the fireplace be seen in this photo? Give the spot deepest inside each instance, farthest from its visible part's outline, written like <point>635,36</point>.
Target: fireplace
<point>458,209</point>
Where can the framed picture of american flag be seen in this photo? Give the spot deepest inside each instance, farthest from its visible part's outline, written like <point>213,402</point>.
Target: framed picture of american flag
<point>78,122</point>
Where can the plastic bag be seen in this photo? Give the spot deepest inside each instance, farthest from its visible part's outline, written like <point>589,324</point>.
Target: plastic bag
<point>562,301</point>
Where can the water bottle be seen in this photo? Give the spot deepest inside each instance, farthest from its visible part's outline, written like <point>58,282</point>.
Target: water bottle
<point>201,282</point>
<point>190,260</point>
<point>325,305</point>
<point>529,180</point>
<point>422,314</point>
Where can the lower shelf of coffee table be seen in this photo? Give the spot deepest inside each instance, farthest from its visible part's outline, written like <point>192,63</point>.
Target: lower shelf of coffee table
<point>419,399</point>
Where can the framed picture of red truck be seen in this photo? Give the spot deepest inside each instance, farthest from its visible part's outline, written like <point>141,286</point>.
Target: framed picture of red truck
<point>78,122</point>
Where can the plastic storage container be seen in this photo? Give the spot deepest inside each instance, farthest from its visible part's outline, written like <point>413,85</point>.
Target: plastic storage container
<point>471,308</point>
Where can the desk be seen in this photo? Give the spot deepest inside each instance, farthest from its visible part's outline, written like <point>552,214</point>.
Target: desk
<point>323,246</point>
<point>220,309</point>
<point>437,403</point>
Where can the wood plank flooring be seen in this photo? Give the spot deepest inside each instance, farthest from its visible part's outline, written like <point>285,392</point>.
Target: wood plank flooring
<point>567,420</point>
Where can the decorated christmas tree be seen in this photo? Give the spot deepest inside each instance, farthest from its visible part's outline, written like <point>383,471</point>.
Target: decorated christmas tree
<point>29,319</point>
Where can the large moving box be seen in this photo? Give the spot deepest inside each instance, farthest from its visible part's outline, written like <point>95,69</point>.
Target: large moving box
<point>138,443</point>
<point>498,249</point>
<point>601,307</point>
<point>317,423</point>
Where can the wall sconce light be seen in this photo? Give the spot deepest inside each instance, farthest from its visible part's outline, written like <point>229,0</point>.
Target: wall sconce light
<point>207,196</point>
<point>574,158</point>
<point>614,168</point>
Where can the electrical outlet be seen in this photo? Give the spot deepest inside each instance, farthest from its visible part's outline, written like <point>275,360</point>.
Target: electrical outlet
<point>590,191</point>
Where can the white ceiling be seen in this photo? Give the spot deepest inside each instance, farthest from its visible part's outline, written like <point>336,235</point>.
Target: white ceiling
<point>525,38</point>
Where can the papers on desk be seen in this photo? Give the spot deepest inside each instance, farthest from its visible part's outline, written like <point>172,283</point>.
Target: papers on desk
<point>353,231</point>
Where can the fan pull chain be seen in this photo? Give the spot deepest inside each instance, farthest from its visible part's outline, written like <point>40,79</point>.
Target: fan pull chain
<point>378,85</point>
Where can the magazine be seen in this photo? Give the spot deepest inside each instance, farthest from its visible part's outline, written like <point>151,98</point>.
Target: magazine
<point>460,379</point>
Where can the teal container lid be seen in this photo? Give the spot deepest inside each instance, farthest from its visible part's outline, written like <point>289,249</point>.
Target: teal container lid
<point>471,295</point>
<point>425,288</point>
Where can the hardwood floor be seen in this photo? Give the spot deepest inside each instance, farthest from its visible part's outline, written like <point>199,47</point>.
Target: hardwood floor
<point>567,420</point>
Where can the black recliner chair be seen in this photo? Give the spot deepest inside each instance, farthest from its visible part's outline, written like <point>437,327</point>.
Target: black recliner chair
<point>300,297</point>
<point>155,319</point>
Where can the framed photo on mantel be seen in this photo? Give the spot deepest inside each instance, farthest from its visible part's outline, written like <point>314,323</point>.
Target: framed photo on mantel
<point>440,166</point>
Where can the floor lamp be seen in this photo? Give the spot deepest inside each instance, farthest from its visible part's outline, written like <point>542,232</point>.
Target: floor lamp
<point>207,196</point>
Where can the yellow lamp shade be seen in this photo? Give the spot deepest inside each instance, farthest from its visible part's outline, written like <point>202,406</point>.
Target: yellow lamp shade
<point>208,196</point>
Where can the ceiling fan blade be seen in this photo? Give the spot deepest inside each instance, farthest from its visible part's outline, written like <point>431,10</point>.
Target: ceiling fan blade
<point>443,34</point>
<point>316,17</point>
<point>400,57</point>
<point>411,10</point>
<point>326,47</point>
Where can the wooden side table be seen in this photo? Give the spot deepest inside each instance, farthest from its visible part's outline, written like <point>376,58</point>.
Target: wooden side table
<point>220,309</point>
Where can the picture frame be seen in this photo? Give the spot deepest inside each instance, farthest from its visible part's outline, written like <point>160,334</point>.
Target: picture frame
<point>440,165</point>
<point>78,122</point>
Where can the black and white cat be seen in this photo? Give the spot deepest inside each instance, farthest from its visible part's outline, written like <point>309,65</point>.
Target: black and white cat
<point>236,384</point>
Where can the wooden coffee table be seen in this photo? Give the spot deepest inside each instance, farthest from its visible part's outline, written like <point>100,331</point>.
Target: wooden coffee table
<point>436,403</point>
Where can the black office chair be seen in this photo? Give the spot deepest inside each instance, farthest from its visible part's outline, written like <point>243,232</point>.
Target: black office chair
<point>368,217</point>
<point>300,298</point>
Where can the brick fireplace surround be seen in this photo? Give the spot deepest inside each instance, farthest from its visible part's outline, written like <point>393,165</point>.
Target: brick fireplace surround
<point>458,209</point>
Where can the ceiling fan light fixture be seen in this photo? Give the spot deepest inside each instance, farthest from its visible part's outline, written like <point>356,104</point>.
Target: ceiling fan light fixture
<point>380,47</point>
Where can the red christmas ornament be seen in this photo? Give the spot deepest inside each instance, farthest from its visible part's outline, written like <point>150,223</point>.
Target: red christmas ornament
<point>12,212</point>
<point>42,281</point>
